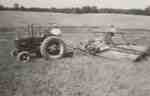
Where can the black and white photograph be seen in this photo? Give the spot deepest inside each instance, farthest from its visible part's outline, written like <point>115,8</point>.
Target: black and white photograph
<point>74,47</point>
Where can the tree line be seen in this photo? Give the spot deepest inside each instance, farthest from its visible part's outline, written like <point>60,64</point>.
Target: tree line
<point>84,9</point>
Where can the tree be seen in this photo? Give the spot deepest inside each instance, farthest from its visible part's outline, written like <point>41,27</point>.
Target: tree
<point>86,9</point>
<point>1,7</point>
<point>16,6</point>
<point>22,7</point>
<point>94,9</point>
<point>147,9</point>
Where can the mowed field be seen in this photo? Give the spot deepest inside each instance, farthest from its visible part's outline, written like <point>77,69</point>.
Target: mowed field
<point>80,75</point>
<point>11,19</point>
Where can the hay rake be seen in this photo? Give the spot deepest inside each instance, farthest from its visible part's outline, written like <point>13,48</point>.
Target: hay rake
<point>128,50</point>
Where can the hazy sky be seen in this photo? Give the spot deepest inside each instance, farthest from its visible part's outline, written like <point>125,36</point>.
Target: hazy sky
<point>78,3</point>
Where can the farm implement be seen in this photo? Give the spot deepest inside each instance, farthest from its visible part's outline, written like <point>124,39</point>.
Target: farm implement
<point>131,52</point>
<point>105,47</point>
<point>50,45</point>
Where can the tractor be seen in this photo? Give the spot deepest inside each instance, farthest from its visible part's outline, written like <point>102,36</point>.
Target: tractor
<point>46,44</point>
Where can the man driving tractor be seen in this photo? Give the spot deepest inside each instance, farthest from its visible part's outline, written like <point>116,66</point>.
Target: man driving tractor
<point>109,34</point>
<point>55,31</point>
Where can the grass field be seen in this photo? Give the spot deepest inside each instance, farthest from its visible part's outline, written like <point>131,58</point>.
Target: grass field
<point>10,19</point>
<point>81,75</point>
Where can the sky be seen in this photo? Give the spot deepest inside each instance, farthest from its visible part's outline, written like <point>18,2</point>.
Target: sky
<point>124,4</point>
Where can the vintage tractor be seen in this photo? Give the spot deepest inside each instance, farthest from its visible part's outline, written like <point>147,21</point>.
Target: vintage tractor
<point>42,44</point>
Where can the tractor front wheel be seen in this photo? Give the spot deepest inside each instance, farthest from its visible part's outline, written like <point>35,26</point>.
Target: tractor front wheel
<point>23,56</point>
<point>52,48</point>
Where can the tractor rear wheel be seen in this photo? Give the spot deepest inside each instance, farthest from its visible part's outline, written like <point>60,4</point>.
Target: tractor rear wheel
<point>52,48</point>
<point>23,56</point>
